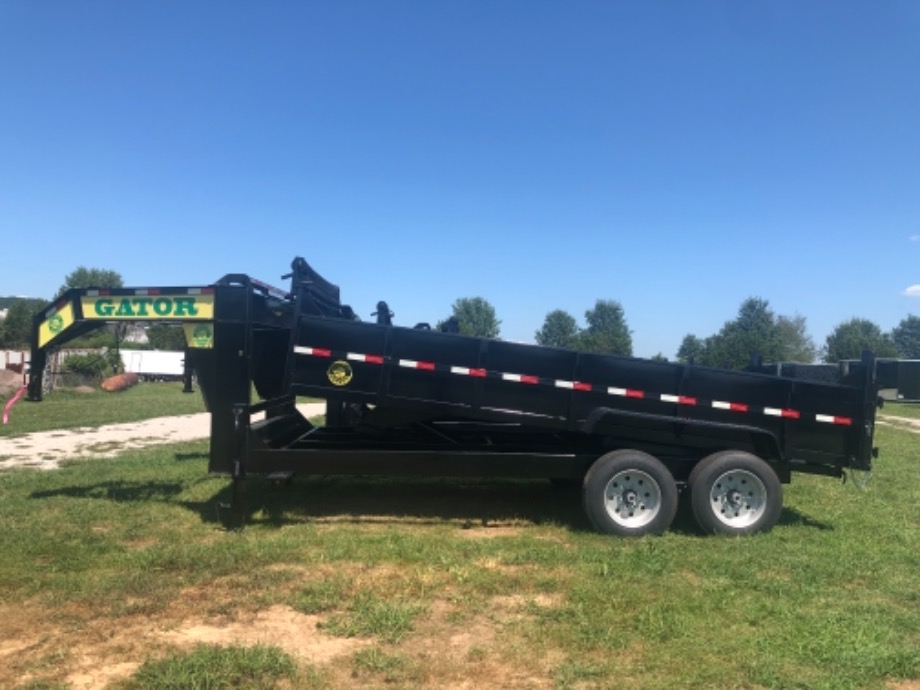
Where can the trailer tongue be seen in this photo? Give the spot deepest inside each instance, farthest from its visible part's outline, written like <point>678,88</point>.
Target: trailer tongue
<point>415,401</point>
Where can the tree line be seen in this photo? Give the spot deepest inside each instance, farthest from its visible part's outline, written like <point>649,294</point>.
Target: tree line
<point>756,330</point>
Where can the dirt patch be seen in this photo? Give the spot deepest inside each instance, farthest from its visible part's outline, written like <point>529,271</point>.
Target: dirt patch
<point>901,423</point>
<point>296,633</point>
<point>468,653</point>
<point>489,531</point>
<point>10,382</point>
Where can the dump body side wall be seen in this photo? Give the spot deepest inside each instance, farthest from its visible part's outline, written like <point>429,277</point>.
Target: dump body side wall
<point>456,375</point>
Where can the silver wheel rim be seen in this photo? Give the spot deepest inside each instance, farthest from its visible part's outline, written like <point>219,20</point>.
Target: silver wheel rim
<point>738,498</point>
<point>632,498</point>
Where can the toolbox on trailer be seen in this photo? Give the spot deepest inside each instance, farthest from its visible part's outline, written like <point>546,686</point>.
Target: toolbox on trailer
<point>417,401</point>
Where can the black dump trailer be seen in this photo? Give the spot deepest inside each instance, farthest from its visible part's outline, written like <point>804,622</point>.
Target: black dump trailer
<point>632,433</point>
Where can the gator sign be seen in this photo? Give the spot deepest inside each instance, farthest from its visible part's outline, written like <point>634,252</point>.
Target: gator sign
<point>148,307</point>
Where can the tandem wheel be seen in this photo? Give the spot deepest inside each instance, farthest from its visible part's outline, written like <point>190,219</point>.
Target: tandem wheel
<point>735,493</point>
<point>629,493</point>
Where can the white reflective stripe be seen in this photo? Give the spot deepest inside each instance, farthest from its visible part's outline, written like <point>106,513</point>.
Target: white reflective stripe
<point>617,391</point>
<point>355,357</point>
<point>512,377</point>
<point>142,291</point>
<point>565,384</point>
<point>719,405</point>
<point>826,418</point>
<point>460,370</point>
<point>670,398</point>
<point>92,293</point>
<point>300,350</point>
<point>410,363</point>
<point>773,412</point>
<point>194,291</point>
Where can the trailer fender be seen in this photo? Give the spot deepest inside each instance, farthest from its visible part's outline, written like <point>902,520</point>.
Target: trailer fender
<point>605,420</point>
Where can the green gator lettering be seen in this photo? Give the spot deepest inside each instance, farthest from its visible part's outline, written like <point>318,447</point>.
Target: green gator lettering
<point>140,305</point>
<point>162,306</point>
<point>124,308</point>
<point>104,307</point>
<point>185,306</point>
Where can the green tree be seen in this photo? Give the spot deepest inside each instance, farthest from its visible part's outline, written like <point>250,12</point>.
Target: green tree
<point>607,331</point>
<point>752,333</point>
<point>692,349</point>
<point>83,277</point>
<point>559,330</point>
<point>163,337</point>
<point>16,328</point>
<point>906,337</point>
<point>850,338</point>
<point>795,343</point>
<point>476,317</point>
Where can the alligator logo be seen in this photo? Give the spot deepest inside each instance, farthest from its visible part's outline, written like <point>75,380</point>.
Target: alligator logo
<point>340,373</point>
<point>56,324</point>
<point>202,336</point>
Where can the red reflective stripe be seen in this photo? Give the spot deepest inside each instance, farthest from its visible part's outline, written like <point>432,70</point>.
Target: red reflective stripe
<point>373,359</point>
<point>579,386</point>
<point>634,394</point>
<point>478,373</point>
<point>321,353</point>
<point>843,421</point>
<point>684,400</point>
<point>207,291</point>
<point>791,414</point>
<point>737,407</point>
<point>427,366</point>
<point>530,379</point>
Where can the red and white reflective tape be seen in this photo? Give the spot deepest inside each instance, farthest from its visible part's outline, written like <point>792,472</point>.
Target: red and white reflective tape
<point>521,378</point>
<point>776,412</point>
<point>574,385</point>
<point>626,393</point>
<point>731,406</point>
<point>467,371</point>
<point>370,359</point>
<point>147,292</point>
<point>830,419</point>
<point>580,386</point>
<point>313,351</point>
<point>679,399</point>
<point>412,364</point>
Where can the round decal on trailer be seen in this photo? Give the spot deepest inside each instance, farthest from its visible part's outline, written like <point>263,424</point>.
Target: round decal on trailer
<point>56,324</point>
<point>340,373</point>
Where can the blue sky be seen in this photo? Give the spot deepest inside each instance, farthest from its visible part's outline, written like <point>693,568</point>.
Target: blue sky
<point>676,156</point>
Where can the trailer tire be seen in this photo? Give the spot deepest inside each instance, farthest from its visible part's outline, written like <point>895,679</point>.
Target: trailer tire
<point>735,493</point>
<point>629,493</point>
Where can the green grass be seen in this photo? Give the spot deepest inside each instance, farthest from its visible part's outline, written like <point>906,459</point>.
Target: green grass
<point>901,409</point>
<point>68,409</point>
<point>499,584</point>
<point>208,667</point>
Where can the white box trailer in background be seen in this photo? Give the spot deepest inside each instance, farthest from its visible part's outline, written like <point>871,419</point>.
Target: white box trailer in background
<point>154,365</point>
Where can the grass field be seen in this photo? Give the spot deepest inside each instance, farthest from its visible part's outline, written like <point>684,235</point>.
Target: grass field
<point>117,574</point>
<point>68,409</point>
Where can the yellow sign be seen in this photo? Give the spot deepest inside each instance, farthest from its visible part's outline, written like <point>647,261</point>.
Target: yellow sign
<point>340,373</point>
<point>148,307</point>
<point>199,335</point>
<point>54,325</point>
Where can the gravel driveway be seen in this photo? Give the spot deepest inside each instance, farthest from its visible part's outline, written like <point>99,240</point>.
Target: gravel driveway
<point>44,450</point>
